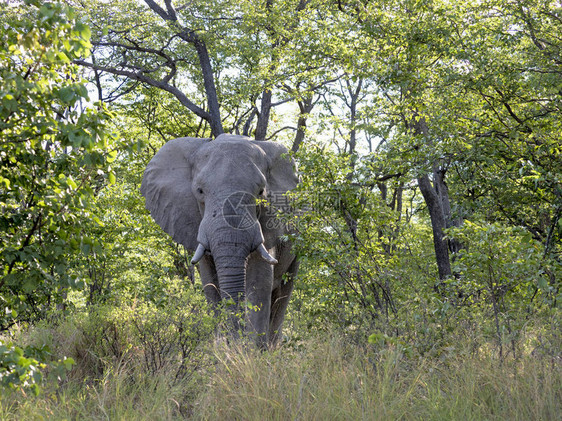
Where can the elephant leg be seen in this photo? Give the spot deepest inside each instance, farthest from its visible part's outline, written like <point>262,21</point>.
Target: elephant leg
<point>259,281</point>
<point>280,297</point>
<point>209,279</point>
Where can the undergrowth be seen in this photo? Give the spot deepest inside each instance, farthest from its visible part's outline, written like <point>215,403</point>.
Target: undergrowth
<point>326,376</point>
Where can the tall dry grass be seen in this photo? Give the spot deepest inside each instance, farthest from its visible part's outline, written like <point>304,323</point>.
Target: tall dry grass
<point>322,378</point>
<point>331,380</point>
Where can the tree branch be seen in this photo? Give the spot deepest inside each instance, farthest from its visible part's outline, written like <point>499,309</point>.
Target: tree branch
<point>171,11</point>
<point>156,8</point>
<point>190,36</point>
<point>185,101</point>
<point>280,130</point>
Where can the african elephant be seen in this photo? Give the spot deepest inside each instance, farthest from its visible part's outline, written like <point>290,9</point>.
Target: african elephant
<point>203,193</point>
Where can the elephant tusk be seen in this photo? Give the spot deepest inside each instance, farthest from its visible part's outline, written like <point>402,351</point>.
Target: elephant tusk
<point>198,254</point>
<point>266,256</point>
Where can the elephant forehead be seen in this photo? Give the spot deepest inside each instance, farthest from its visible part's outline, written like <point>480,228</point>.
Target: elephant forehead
<point>232,153</point>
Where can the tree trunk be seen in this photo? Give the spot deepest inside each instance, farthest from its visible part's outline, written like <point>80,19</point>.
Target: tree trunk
<point>434,196</point>
<point>305,107</point>
<point>437,224</point>
<point>354,99</point>
<point>443,194</point>
<point>210,89</point>
<point>263,116</point>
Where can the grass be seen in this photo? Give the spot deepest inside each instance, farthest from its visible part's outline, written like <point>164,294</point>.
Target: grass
<point>322,378</point>
<point>333,381</point>
<point>119,395</point>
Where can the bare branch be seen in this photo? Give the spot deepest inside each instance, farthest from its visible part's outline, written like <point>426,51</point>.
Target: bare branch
<point>141,77</point>
<point>171,11</point>
<point>280,130</point>
<point>157,9</point>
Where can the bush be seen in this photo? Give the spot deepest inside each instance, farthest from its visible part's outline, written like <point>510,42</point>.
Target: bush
<point>53,154</point>
<point>346,236</point>
<point>170,337</point>
<point>500,280</point>
<point>22,368</point>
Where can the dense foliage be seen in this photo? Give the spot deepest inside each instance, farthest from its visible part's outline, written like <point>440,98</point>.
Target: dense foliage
<point>54,156</point>
<point>428,219</point>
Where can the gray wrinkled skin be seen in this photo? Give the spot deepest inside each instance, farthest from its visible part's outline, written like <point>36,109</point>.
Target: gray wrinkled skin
<point>203,193</point>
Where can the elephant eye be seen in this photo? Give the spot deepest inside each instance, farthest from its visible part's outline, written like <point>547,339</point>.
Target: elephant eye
<point>200,190</point>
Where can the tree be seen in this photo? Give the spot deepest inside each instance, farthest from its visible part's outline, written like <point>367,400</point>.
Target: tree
<point>516,82</point>
<point>229,63</point>
<point>54,155</point>
<point>470,92</point>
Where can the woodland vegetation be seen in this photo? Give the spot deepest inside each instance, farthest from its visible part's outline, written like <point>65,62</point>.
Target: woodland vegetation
<point>428,218</point>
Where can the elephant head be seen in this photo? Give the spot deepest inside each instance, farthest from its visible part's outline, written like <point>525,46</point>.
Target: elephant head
<point>204,194</point>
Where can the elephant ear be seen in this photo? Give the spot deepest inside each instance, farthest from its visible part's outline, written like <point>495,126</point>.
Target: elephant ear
<point>282,174</point>
<point>281,178</point>
<point>166,187</point>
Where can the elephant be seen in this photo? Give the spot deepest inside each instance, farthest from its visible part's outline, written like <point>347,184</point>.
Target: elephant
<point>220,199</point>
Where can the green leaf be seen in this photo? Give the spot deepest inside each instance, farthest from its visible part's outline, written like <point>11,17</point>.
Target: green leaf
<point>83,30</point>
<point>542,283</point>
<point>67,94</point>
<point>71,183</point>
<point>63,57</point>
<point>68,363</point>
<point>110,156</point>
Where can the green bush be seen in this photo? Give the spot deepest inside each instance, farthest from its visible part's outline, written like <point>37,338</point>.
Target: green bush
<point>22,368</point>
<point>170,336</point>
<point>347,237</point>
<point>54,153</point>
<point>501,280</point>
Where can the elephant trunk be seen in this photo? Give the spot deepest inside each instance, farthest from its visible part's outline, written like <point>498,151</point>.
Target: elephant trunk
<point>232,277</point>
<point>230,248</point>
